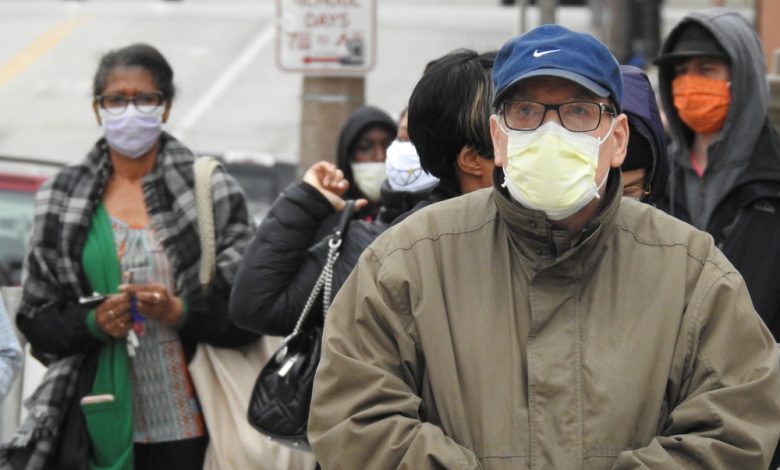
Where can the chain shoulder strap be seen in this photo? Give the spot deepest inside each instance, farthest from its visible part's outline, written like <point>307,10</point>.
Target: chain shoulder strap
<point>324,280</point>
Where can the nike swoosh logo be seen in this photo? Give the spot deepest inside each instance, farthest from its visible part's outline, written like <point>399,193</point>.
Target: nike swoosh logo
<point>539,54</point>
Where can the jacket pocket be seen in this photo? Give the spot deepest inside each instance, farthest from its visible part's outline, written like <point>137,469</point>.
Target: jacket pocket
<point>105,425</point>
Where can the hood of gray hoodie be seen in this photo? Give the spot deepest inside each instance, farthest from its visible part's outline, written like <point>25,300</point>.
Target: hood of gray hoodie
<point>729,154</point>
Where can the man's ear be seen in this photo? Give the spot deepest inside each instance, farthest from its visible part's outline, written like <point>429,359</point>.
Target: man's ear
<point>499,141</point>
<point>468,162</point>
<point>620,135</point>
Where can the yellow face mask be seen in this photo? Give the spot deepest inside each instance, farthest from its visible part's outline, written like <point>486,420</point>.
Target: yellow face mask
<point>552,169</point>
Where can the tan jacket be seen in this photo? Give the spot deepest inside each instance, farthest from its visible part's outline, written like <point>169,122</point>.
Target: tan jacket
<point>472,336</point>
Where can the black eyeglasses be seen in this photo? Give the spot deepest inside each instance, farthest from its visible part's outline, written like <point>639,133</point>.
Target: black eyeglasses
<point>576,116</point>
<point>143,102</point>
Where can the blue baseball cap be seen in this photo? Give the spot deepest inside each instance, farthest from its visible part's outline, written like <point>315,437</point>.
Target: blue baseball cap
<point>552,50</point>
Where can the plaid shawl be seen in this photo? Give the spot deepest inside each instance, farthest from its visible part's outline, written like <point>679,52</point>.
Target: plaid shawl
<point>64,207</point>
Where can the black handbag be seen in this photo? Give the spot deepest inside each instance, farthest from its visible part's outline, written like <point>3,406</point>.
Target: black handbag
<point>279,405</point>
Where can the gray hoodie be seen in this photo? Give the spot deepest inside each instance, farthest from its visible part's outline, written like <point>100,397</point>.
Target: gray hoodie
<point>728,156</point>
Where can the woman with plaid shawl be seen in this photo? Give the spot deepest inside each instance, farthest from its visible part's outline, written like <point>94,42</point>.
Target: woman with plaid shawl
<point>121,227</point>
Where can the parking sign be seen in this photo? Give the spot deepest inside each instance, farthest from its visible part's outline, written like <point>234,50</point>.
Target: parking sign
<point>326,37</point>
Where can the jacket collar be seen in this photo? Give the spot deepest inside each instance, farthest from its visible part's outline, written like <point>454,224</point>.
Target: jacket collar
<point>546,248</point>
<point>395,203</point>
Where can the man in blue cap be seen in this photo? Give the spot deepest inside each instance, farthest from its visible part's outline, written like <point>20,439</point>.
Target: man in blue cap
<point>546,322</point>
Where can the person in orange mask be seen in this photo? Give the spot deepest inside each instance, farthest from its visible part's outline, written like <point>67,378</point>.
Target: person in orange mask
<point>725,152</point>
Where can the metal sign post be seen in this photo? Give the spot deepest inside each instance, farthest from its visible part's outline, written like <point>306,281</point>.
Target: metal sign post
<point>333,43</point>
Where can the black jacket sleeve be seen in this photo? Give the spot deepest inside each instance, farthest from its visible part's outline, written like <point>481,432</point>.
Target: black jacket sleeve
<point>207,321</point>
<point>56,329</point>
<point>279,271</point>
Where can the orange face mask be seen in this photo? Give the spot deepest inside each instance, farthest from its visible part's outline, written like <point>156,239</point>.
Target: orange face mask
<point>701,102</point>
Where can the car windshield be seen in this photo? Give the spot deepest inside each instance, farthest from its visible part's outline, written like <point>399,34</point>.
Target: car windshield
<point>16,218</point>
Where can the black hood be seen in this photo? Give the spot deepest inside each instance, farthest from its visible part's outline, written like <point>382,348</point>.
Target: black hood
<point>362,118</point>
<point>640,105</point>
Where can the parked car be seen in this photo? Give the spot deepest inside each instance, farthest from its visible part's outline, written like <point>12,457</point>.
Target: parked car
<point>19,180</point>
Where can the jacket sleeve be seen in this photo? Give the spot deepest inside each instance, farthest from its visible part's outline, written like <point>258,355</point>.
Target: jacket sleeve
<point>365,410</point>
<point>724,387</point>
<point>207,318</point>
<point>49,315</point>
<point>278,272</point>
<point>55,327</point>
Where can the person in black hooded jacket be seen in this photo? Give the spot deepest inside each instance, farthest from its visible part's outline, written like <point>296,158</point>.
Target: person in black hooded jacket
<point>284,260</point>
<point>646,167</point>
<point>361,153</point>
<point>725,175</point>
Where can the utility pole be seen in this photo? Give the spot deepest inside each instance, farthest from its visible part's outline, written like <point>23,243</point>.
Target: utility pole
<point>616,28</point>
<point>522,23</point>
<point>774,90</point>
<point>767,13</point>
<point>547,11</point>
<point>333,44</point>
<point>326,103</point>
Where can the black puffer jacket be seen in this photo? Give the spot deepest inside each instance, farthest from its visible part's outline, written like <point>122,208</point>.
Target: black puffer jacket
<point>284,260</point>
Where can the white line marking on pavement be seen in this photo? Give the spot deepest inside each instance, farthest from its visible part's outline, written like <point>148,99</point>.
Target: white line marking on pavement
<point>225,80</point>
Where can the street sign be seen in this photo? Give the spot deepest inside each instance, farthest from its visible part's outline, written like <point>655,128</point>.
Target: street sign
<point>326,37</point>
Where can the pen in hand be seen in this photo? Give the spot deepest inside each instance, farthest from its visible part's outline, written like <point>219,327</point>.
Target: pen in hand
<point>138,319</point>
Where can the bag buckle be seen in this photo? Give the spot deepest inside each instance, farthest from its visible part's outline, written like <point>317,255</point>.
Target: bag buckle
<point>288,364</point>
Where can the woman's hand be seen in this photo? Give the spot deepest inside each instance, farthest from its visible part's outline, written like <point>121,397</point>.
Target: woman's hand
<point>155,302</point>
<point>113,315</point>
<point>330,182</point>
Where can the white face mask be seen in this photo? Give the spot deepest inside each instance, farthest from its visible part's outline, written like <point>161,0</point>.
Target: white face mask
<point>132,133</point>
<point>404,172</point>
<point>369,177</point>
<point>552,169</point>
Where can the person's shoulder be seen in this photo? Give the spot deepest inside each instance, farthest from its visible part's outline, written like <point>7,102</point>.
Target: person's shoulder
<point>175,151</point>
<point>654,226</point>
<point>645,225</point>
<point>176,158</point>
<point>222,183</point>
<point>66,178</point>
<point>459,215</point>
<point>453,215</point>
